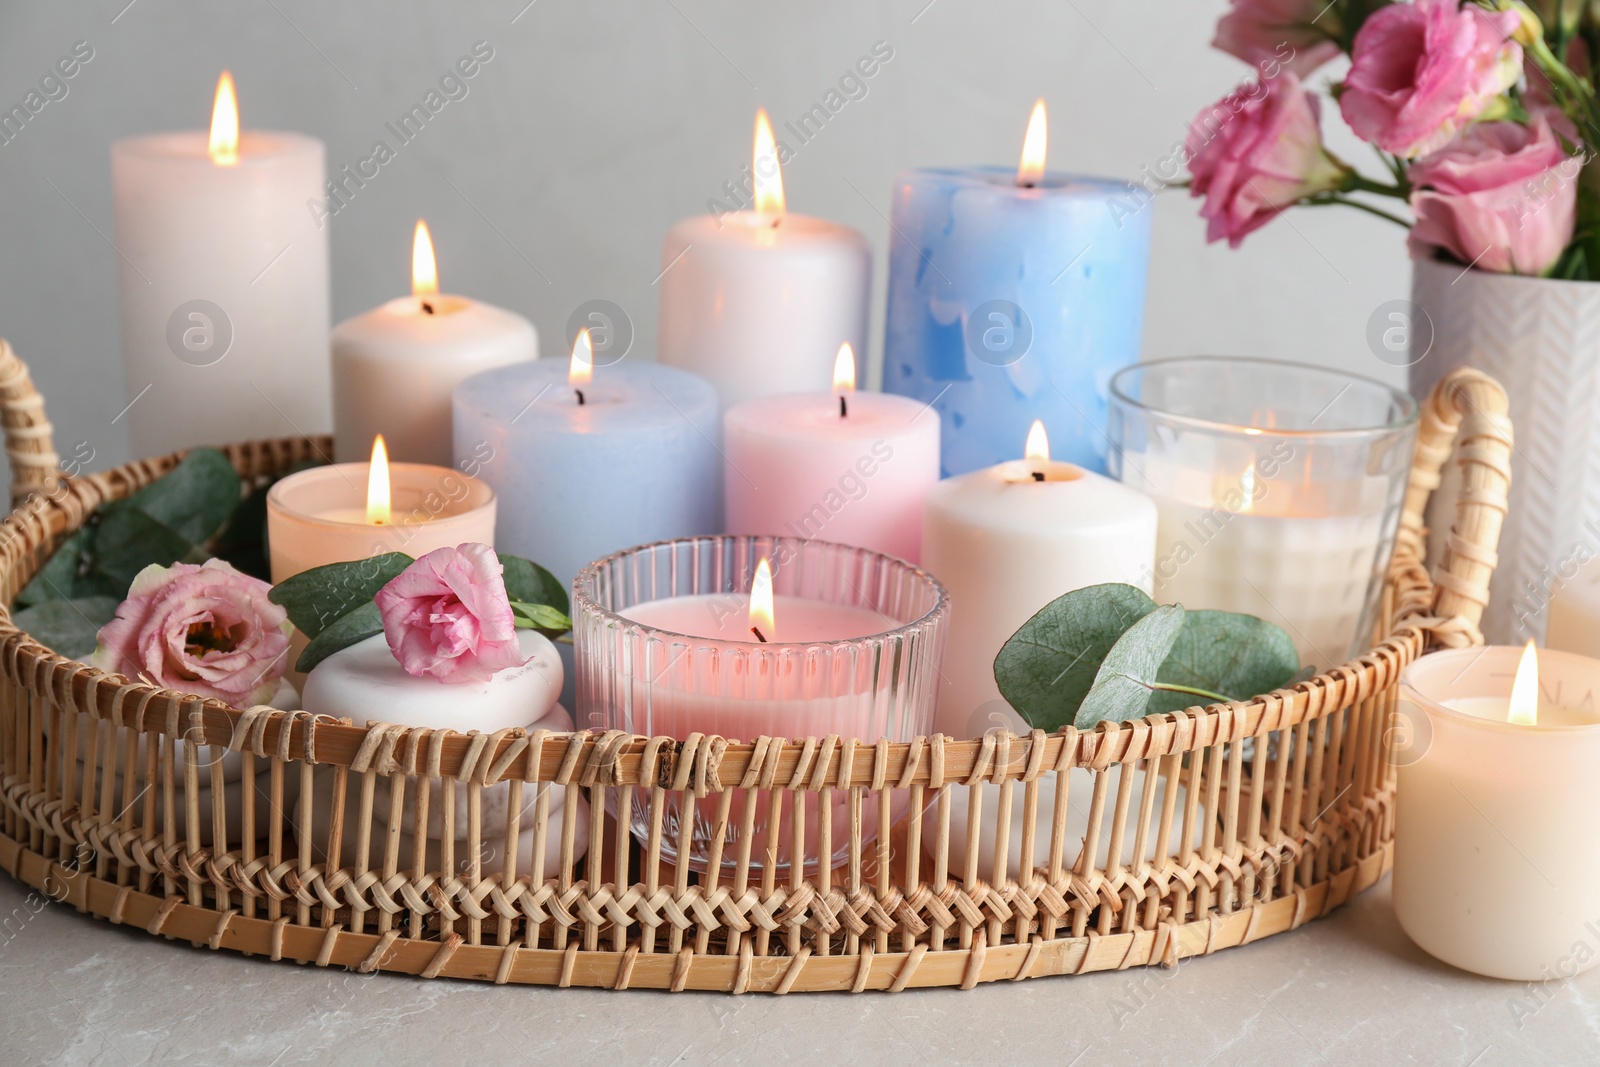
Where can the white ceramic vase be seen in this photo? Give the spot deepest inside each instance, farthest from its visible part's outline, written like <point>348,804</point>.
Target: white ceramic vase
<point>1541,340</point>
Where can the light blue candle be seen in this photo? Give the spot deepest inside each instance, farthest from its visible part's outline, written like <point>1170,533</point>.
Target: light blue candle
<point>632,464</point>
<point>1010,303</point>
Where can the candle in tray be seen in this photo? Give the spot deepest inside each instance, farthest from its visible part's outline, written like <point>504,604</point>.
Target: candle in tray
<point>746,637</point>
<point>588,460</point>
<point>351,511</point>
<point>1008,540</point>
<point>1497,834</point>
<point>1279,489</point>
<point>843,466</point>
<point>757,301</point>
<point>1013,295</point>
<point>223,278</point>
<point>395,367</point>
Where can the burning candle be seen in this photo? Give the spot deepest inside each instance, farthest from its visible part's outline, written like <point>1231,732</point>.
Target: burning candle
<point>757,301</point>
<point>843,466</point>
<point>1008,540</point>
<point>223,279</point>
<point>351,511</point>
<point>1014,293</point>
<point>756,636</point>
<point>396,367</point>
<point>1497,835</point>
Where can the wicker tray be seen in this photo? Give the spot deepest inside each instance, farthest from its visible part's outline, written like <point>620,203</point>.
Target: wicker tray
<point>1288,801</point>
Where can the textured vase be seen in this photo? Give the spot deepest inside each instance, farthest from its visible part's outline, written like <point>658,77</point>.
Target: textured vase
<point>1541,339</point>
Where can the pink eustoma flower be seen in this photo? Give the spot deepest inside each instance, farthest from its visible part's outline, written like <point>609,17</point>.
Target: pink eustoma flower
<point>447,616</point>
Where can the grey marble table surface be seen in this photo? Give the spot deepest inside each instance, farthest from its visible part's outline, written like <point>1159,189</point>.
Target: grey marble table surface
<point>1348,989</point>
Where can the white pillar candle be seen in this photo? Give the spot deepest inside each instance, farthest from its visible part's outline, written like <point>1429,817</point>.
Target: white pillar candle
<point>849,467</point>
<point>223,278</point>
<point>396,367</point>
<point>1008,540</point>
<point>366,683</point>
<point>1497,833</point>
<point>757,301</point>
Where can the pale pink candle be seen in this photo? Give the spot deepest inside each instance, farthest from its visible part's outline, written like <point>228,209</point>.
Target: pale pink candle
<point>853,468</point>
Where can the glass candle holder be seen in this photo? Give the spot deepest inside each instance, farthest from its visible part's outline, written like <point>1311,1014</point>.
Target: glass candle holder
<point>1278,486</point>
<point>1497,832</point>
<point>664,648</point>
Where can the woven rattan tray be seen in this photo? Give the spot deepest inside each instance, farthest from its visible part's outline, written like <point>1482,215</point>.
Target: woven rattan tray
<point>1287,801</point>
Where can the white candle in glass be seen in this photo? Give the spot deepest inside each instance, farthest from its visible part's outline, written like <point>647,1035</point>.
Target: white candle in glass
<point>757,301</point>
<point>1497,833</point>
<point>223,278</point>
<point>396,367</point>
<point>1008,540</point>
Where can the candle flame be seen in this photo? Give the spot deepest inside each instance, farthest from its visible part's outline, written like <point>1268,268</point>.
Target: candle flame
<point>844,370</point>
<point>1034,149</point>
<point>224,147</point>
<point>378,483</point>
<point>1525,689</point>
<point>768,174</point>
<point>762,621</point>
<point>1037,449</point>
<point>424,267</point>
<point>581,370</point>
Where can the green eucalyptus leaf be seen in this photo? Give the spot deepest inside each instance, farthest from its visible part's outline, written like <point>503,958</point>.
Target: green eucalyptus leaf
<point>62,572</point>
<point>1122,686</point>
<point>318,598</point>
<point>243,540</point>
<point>127,540</point>
<point>69,627</point>
<point>529,583</point>
<point>1048,666</point>
<point>541,617</point>
<point>194,499</point>
<point>1238,656</point>
<point>351,628</point>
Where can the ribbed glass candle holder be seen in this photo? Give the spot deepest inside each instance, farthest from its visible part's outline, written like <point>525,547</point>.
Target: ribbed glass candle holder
<point>855,648</point>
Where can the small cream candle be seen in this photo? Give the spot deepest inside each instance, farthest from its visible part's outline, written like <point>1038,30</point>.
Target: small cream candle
<point>1008,540</point>
<point>396,367</point>
<point>1497,834</point>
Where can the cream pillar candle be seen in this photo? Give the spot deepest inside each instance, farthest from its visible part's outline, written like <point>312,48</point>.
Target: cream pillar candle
<point>1008,540</point>
<point>337,514</point>
<point>1497,834</point>
<point>223,279</point>
<point>396,367</point>
<point>757,301</point>
<point>849,467</point>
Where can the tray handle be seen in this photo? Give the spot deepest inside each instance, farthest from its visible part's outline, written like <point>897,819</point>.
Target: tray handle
<point>30,443</point>
<point>1467,415</point>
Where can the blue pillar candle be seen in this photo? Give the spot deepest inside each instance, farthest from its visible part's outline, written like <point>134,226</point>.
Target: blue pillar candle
<point>633,463</point>
<point>1011,302</point>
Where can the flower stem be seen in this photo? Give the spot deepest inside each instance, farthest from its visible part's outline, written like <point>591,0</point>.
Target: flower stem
<point>1215,698</point>
<point>1335,198</point>
<point>1357,183</point>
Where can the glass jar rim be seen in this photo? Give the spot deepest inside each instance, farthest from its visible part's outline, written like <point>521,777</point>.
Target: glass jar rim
<point>1412,687</point>
<point>1120,393</point>
<point>582,599</point>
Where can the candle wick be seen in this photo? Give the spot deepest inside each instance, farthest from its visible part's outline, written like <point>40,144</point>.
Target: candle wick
<point>759,636</point>
<point>1025,185</point>
<point>581,400</point>
<point>1038,476</point>
<point>427,308</point>
<point>844,411</point>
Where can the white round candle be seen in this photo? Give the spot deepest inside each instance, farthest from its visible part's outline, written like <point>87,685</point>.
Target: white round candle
<point>1497,833</point>
<point>757,301</point>
<point>223,278</point>
<point>1005,544</point>
<point>396,367</point>
<point>854,468</point>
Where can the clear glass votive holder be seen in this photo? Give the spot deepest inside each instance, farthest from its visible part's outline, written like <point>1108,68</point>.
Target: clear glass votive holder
<point>1278,488</point>
<point>855,649</point>
<point>1497,823</point>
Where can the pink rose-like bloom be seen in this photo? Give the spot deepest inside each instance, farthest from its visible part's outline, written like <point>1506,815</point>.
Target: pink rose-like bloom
<point>447,616</point>
<point>1420,73</point>
<point>1277,35</point>
<point>200,628</point>
<point>1502,198</point>
<point>1255,153</point>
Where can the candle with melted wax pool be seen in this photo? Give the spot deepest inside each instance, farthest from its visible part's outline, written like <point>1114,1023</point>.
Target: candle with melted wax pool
<point>1014,295</point>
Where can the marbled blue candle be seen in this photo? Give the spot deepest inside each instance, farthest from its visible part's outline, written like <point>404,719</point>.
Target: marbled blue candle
<point>1010,303</point>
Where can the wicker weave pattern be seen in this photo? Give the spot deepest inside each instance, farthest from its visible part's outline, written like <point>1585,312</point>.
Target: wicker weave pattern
<point>1286,805</point>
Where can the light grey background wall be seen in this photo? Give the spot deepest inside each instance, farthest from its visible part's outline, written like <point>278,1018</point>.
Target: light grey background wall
<point>597,124</point>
